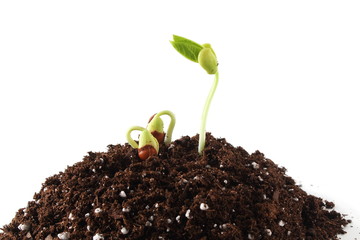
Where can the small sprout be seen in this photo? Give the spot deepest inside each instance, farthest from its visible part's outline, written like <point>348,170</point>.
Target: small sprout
<point>156,127</point>
<point>206,57</point>
<point>148,145</point>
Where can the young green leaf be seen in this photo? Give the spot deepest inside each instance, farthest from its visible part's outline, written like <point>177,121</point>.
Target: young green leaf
<point>188,49</point>
<point>182,39</point>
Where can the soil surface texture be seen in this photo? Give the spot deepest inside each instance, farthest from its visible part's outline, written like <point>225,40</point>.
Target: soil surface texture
<point>225,193</point>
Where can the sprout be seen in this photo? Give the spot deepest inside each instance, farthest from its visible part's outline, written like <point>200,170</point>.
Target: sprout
<point>156,126</point>
<point>206,57</point>
<point>153,135</point>
<point>148,145</point>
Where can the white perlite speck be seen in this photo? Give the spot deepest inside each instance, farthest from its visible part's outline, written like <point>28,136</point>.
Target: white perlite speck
<point>24,227</point>
<point>204,206</point>
<point>178,218</point>
<point>98,237</point>
<point>124,230</point>
<point>169,220</point>
<point>250,236</point>
<point>71,216</point>
<point>148,224</point>
<point>255,165</point>
<point>87,215</point>
<point>122,194</point>
<point>97,210</point>
<point>88,227</point>
<point>126,209</point>
<point>223,226</point>
<point>49,237</point>
<point>268,232</point>
<point>281,223</point>
<point>64,236</point>
<point>187,214</point>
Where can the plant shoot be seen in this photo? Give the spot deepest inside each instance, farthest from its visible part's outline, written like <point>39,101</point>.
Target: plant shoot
<point>148,145</point>
<point>206,57</point>
<point>156,127</point>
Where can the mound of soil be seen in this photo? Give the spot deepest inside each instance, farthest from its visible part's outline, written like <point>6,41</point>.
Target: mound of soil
<point>226,193</point>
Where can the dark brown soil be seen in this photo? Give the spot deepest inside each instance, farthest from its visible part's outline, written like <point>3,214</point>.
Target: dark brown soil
<point>224,194</point>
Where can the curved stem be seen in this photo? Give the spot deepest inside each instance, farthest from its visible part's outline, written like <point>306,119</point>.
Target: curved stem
<point>205,113</point>
<point>129,138</point>
<point>171,125</point>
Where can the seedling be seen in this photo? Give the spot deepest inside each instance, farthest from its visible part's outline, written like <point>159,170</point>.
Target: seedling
<point>152,136</point>
<point>148,145</point>
<point>156,126</point>
<point>206,57</point>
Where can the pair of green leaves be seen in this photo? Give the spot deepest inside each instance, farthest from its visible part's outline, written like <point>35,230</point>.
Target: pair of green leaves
<point>202,54</point>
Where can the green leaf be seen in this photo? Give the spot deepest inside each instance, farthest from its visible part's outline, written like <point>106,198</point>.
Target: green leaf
<point>182,39</point>
<point>188,49</point>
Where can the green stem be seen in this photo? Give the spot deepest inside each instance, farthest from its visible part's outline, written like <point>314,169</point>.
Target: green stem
<point>205,113</point>
<point>170,127</point>
<point>129,138</point>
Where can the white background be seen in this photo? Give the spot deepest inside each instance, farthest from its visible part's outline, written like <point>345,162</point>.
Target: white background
<point>74,75</point>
